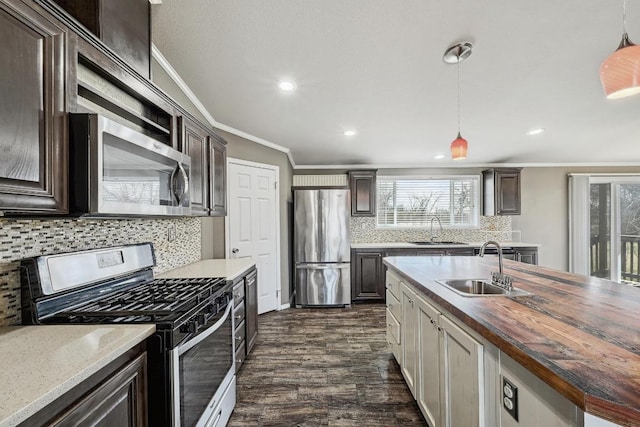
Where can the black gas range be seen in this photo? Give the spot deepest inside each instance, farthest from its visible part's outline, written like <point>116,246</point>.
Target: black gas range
<point>190,356</point>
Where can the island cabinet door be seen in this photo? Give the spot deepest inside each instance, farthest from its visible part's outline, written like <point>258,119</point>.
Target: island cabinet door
<point>409,337</point>
<point>428,383</point>
<point>463,377</point>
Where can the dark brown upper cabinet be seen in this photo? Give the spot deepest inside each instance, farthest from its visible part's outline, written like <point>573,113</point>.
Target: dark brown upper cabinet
<point>194,143</point>
<point>217,177</point>
<point>208,185</point>
<point>33,125</point>
<point>501,189</point>
<point>362,184</point>
<point>123,25</point>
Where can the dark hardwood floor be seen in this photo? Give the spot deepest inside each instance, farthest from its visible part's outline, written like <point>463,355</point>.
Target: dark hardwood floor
<point>323,367</point>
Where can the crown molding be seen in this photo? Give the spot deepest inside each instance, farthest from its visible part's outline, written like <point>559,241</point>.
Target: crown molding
<point>459,165</point>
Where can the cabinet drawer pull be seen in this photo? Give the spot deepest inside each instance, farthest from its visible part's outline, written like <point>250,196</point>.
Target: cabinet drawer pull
<point>433,322</point>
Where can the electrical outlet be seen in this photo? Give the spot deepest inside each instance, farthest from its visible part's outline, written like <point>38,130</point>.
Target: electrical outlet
<point>171,233</point>
<point>510,398</point>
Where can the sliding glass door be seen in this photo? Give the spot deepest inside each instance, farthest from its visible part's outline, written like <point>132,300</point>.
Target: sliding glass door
<point>614,228</point>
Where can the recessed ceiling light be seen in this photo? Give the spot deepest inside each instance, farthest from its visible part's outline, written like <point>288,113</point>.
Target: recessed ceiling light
<point>536,131</point>
<point>287,85</point>
<point>439,156</point>
<point>350,133</point>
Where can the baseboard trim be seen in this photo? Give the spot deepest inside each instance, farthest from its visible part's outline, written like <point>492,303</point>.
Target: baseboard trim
<point>284,306</point>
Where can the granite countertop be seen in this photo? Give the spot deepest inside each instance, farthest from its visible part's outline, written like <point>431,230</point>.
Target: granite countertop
<point>228,268</point>
<point>41,363</point>
<point>581,335</point>
<point>443,245</point>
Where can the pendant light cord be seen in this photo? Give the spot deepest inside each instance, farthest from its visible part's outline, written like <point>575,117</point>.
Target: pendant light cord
<point>458,92</point>
<point>624,16</point>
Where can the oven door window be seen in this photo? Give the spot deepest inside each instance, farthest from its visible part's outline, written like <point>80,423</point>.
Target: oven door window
<point>202,370</point>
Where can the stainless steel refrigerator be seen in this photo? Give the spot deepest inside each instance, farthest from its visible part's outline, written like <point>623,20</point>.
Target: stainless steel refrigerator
<point>322,247</point>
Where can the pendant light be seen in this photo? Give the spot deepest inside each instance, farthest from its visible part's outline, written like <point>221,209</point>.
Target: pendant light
<point>455,55</point>
<point>620,72</point>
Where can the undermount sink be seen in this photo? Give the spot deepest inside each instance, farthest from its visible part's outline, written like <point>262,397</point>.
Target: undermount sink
<point>429,242</point>
<point>479,288</point>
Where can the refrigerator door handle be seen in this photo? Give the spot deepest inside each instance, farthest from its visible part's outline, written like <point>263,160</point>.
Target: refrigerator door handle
<point>322,266</point>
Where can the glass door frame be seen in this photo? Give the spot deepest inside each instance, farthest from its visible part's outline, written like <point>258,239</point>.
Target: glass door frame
<point>615,232</point>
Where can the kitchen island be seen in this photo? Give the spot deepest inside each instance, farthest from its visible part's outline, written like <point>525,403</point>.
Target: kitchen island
<point>579,335</point>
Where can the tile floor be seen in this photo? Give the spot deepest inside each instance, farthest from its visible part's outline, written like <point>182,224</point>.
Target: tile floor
<point>323,367</point>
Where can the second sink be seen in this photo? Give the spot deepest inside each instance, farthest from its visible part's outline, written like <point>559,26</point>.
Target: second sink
<point>428,242</point>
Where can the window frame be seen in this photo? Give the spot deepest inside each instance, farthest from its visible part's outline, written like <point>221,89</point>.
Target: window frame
<point>478,200</point>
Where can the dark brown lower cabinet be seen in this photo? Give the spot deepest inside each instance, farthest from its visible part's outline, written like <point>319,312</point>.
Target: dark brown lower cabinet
<point>251,314</point>
<point>367,275</point>
<point>111,398</point>
<point>245,314</point>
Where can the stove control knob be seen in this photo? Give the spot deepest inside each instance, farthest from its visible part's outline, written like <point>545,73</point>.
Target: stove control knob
<point>190,327</point>
<point>201,318</point>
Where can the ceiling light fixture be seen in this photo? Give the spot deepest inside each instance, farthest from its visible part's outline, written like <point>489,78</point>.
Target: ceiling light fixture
<point>439,156</point>
<point>455,55</point>
<point>350,133</point>
<point>287,85</point>
<point>620,72</point>
<point>536,131</point>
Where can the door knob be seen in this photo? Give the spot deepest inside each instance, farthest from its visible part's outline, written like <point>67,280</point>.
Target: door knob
<point>235,250</point>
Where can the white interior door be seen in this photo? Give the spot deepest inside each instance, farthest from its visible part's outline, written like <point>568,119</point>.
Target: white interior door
<point>253,225</point>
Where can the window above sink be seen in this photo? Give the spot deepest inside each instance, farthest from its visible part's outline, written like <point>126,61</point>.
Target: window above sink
<point>411,201</point>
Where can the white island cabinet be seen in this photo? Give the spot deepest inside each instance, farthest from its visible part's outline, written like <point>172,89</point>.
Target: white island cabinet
<point>442,364</point>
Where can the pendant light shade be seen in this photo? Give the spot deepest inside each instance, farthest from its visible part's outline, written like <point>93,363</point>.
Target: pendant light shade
<point>459,148</point>
<point>620,72</point>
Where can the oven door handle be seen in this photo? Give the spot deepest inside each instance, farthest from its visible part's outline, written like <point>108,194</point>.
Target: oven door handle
<point>203,336</point>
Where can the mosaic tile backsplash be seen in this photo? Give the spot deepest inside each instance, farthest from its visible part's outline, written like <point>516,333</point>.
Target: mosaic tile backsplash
<point>26,238</point>
<point>363,230</point>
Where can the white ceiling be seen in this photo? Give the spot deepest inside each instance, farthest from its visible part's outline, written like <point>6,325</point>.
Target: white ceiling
<point>376,66</point>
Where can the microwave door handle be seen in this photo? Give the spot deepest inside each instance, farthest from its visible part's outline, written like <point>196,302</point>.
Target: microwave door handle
<point>177,190</point>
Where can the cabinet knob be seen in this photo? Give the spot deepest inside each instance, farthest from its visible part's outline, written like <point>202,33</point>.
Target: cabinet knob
<point>433,322</point>
<point>239,316</point>
<point>238,338</point>
<point>410,300</point>
<point>439,328</point>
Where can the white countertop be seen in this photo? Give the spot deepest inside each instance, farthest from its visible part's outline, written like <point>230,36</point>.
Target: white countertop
<point>41,363</point>
<point>229,268</point>
<point>444,245</point>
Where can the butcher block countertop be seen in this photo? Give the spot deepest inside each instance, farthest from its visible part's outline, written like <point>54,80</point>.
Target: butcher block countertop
<point>581,335</point>
<point>41,363</point>
<point>227,268</point>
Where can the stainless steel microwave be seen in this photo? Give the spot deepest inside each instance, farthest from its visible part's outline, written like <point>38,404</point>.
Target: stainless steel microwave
<point>118,171</point>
